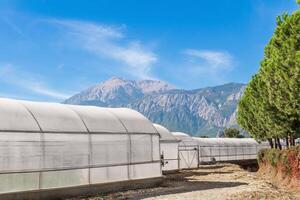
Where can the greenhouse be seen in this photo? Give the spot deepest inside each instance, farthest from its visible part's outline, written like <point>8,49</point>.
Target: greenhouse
<point>168,149</point>
<point>49,145</point>
<point>194,151</point>
<point>228,149</point>
<point>188,151</point>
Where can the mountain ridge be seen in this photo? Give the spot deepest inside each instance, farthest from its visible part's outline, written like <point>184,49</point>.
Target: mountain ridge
<point>203,111</point>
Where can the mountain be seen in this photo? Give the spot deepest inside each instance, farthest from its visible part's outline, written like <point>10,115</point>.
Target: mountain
<point>118,92</point>
<point>198,112</point>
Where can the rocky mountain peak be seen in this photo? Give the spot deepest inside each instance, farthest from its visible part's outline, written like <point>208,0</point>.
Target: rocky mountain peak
<point>117,91</point>
<point>154,86</point>
<point>203,111</point>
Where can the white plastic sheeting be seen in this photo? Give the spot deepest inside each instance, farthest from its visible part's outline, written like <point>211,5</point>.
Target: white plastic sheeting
<point>98,119</point>
<point>168,148</point>
<point>50,145</point>
<point>133,121</point>
<point>54,117</point>
<point>12,112</point>
<point>194,151</point>
<point>228,149</point>
<point>185,139</point>
<point>187,150</point>
<point>165,134</point>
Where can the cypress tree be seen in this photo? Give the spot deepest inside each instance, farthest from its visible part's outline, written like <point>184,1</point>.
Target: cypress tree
<point>270,105</point>
<point>280,70</point>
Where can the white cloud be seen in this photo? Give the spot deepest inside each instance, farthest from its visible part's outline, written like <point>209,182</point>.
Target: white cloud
<point>216,59</point>
<point>110,42</point>
<point>31,82</point>
<point>211,67</point>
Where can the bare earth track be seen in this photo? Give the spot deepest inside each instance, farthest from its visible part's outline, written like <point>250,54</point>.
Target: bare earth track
<point>211,182</point>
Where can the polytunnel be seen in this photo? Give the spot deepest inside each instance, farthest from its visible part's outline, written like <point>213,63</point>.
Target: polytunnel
<point>194,150</point>
<point>168,149</point>
<point>46,146</point>
<point>188,151</point>
<point>227,149</point>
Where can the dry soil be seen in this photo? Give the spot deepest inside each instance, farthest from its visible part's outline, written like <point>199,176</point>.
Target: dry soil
<point>210,182</point>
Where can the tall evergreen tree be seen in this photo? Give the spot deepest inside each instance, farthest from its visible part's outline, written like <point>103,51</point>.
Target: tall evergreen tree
<point>280,71</point>
<point>270,106</point>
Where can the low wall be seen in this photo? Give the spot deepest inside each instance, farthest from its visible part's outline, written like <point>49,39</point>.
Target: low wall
<point>86,190</point>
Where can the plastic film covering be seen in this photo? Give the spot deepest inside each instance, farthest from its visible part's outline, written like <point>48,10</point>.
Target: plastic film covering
<point>99,120</point>
<point>54,117</point>
<point>170,152</point>
<point>20,151</point>
<point>133,121</point>
<point>12,111</point>
<point>187,151</point>
<point>168,148</point>
<point>185,139</point>
<point>55,146</point>
<point>18,182</point>
<point>228,149</point>
<point>65,178</point>
<point>141,148</point>
<point>155,147</point>
<point>109,174</point>
<point>165,134</point>
<point>108,149</point>
<point>63,151</point>
<point>148,170</point>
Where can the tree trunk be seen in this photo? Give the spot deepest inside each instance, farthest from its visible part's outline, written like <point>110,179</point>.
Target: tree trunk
<point>271,142</point>
<point>275,143</point>
<point>287,141</point>
<point>291,139</point>
<point>294,142</point>
<point>278,143</point>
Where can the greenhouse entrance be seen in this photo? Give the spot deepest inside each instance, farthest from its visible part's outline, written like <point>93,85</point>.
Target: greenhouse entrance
<point>188,157</point>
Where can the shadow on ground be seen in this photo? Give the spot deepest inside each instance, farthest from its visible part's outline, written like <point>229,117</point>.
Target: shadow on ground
<point>176,183</point>
<point>180,183</point>
<point>196,186</point>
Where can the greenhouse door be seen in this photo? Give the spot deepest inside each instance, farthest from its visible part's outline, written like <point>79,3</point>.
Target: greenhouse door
<point>188,157</point>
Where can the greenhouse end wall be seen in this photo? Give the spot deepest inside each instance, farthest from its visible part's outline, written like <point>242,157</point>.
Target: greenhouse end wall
<point>46,146</point>
<point>194,151</point>
<point>168,149</point>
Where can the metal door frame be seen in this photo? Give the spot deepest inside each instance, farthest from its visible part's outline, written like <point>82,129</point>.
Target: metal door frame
<point>194,148</point>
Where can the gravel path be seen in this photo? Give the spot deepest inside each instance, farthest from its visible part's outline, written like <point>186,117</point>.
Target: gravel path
<point>213,182</point>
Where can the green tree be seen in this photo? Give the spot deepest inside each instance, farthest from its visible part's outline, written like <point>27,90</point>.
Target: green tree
<point>255,114</point>
<point>270,106</point>
<point>280,70</point>
<point>231,132</point>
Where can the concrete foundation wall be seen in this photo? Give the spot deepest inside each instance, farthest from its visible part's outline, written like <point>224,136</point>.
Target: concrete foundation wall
<point>82,190</point>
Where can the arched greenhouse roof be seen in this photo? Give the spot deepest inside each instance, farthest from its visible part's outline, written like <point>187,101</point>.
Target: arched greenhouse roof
<point>15,117</point>
<point>165,134</point>
<point>226,141</point>
<point>27,116</point>
<point>97,119</point>
<point>185,139</point>
<point>54,117</point>
<point>181,135</point>
<point>133,121</point>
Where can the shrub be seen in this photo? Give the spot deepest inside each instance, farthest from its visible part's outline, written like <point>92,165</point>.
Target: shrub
<point>273,156</point>
<point>287,160</point>
<point>261,155</point>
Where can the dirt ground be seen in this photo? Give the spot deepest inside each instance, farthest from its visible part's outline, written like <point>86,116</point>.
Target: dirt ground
<point>210,182</point>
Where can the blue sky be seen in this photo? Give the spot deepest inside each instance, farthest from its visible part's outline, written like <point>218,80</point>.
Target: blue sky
<point>51,49</point>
